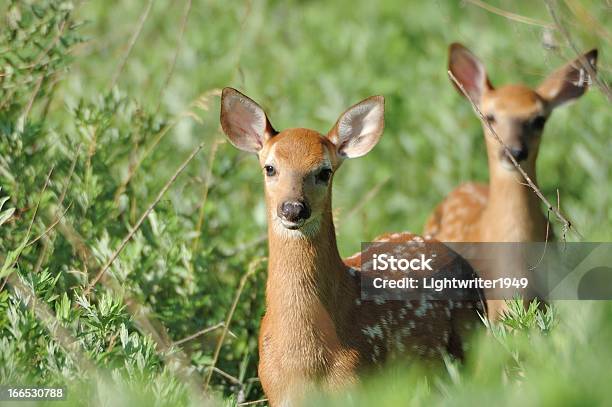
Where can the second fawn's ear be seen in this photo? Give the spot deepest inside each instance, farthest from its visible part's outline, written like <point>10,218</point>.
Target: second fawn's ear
<point>469,71</point>
<point>244,121</point>
<point>570,81</point>
<point>359,128</point>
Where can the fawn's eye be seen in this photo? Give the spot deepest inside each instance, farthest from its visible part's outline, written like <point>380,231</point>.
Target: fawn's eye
<point>270,170</point>
<point>490,119</point>
<point>324,175</point>
<point>538,123</point>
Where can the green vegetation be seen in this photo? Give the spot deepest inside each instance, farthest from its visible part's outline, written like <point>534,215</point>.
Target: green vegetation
<point>96,116</point>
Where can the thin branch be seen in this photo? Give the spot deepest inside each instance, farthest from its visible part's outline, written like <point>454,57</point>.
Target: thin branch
<point>532,268</point>
<point>201,102</point>
<point>24,243</point>
<point>601,84</point>
<point>135,35</point>
<point>146,213</point>
<point>211,159</point>
<point>250,403</point>
<point>531,184</point>
<point>509,15</point>
<point>199,333</point>
<point>28,108</point>
<point>371,194</point>
<point>226,375</point>
<point>133,168</point>
<point>251,270</point>
<point>583,14</point>
<point>50,227</point>
<point>179,43</point>
<point>44,188</point>
<point>57,219</point>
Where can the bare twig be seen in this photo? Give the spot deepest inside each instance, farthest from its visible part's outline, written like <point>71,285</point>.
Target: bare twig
<point>588,20</point>
<point>250,403</point>
<point>179,42</point>
<point>133,38</point>
<point>59,215</point>
<point>601,84</point>
<point>566,223</point>
<point>509,15</point>
<point>146,213</point>
<point>531,268</point>
<point>201,102</point>
<point>8,266</point>
<point>199,333</point>
<point>133,168</point>
<point>564,231</point>
<point>371,194</point>
<point>211,159</point>
<point>26,112</point>
<point>251,270</point>
<point>50,227</point>
<point>226,375</point>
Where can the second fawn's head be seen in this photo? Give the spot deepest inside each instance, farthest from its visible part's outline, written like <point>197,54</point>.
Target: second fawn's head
<point>298,164</point>
<point>518,113</point>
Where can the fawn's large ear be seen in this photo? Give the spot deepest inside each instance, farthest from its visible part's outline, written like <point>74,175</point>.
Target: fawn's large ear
<point>244,121</point>
<point>469,71</point>
<point>570,81</point>
<point>359,128</point>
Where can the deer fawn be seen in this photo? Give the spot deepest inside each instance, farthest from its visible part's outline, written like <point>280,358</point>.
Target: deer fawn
<point>506,210</point>
<point>316,330</point>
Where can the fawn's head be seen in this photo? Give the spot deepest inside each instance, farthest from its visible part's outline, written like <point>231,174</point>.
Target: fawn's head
<point>298,164</point>
<point>518,113</point>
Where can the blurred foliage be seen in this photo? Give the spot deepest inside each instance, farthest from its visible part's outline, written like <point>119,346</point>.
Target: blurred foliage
<point>81,160</point>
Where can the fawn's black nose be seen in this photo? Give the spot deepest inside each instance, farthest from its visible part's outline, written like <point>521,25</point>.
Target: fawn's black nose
<point>519,153</point>
<point>294,211</point>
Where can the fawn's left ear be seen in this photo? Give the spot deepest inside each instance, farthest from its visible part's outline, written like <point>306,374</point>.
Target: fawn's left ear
<point>244,122</point>
<point>359,128</point>
<point>570,81</point>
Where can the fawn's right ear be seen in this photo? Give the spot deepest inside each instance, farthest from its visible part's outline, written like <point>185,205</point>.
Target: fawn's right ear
<point>359,128</point>
<point>469,71</point>
<point>570,81</point>
<point>244,121</point>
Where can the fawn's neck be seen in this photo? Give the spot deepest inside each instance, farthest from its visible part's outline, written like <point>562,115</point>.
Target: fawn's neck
<point>513,211</point>
<point>304,272</point>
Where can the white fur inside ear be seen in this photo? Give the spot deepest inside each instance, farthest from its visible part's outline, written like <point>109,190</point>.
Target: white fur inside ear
<point>360,128</point>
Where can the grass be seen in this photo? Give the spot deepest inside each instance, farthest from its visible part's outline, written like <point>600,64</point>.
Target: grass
<point>105,152</point>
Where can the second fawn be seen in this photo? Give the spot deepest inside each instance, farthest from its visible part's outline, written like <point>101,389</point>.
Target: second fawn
<point>505,210</point>
<point>316,329</point>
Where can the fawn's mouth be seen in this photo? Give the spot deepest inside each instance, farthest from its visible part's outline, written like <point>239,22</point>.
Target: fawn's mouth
<point>292,225</point>
<point>507,164</point>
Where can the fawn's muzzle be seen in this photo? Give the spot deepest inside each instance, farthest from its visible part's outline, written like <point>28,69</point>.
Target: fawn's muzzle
<point>519,153</point>
<point>294,213</point>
